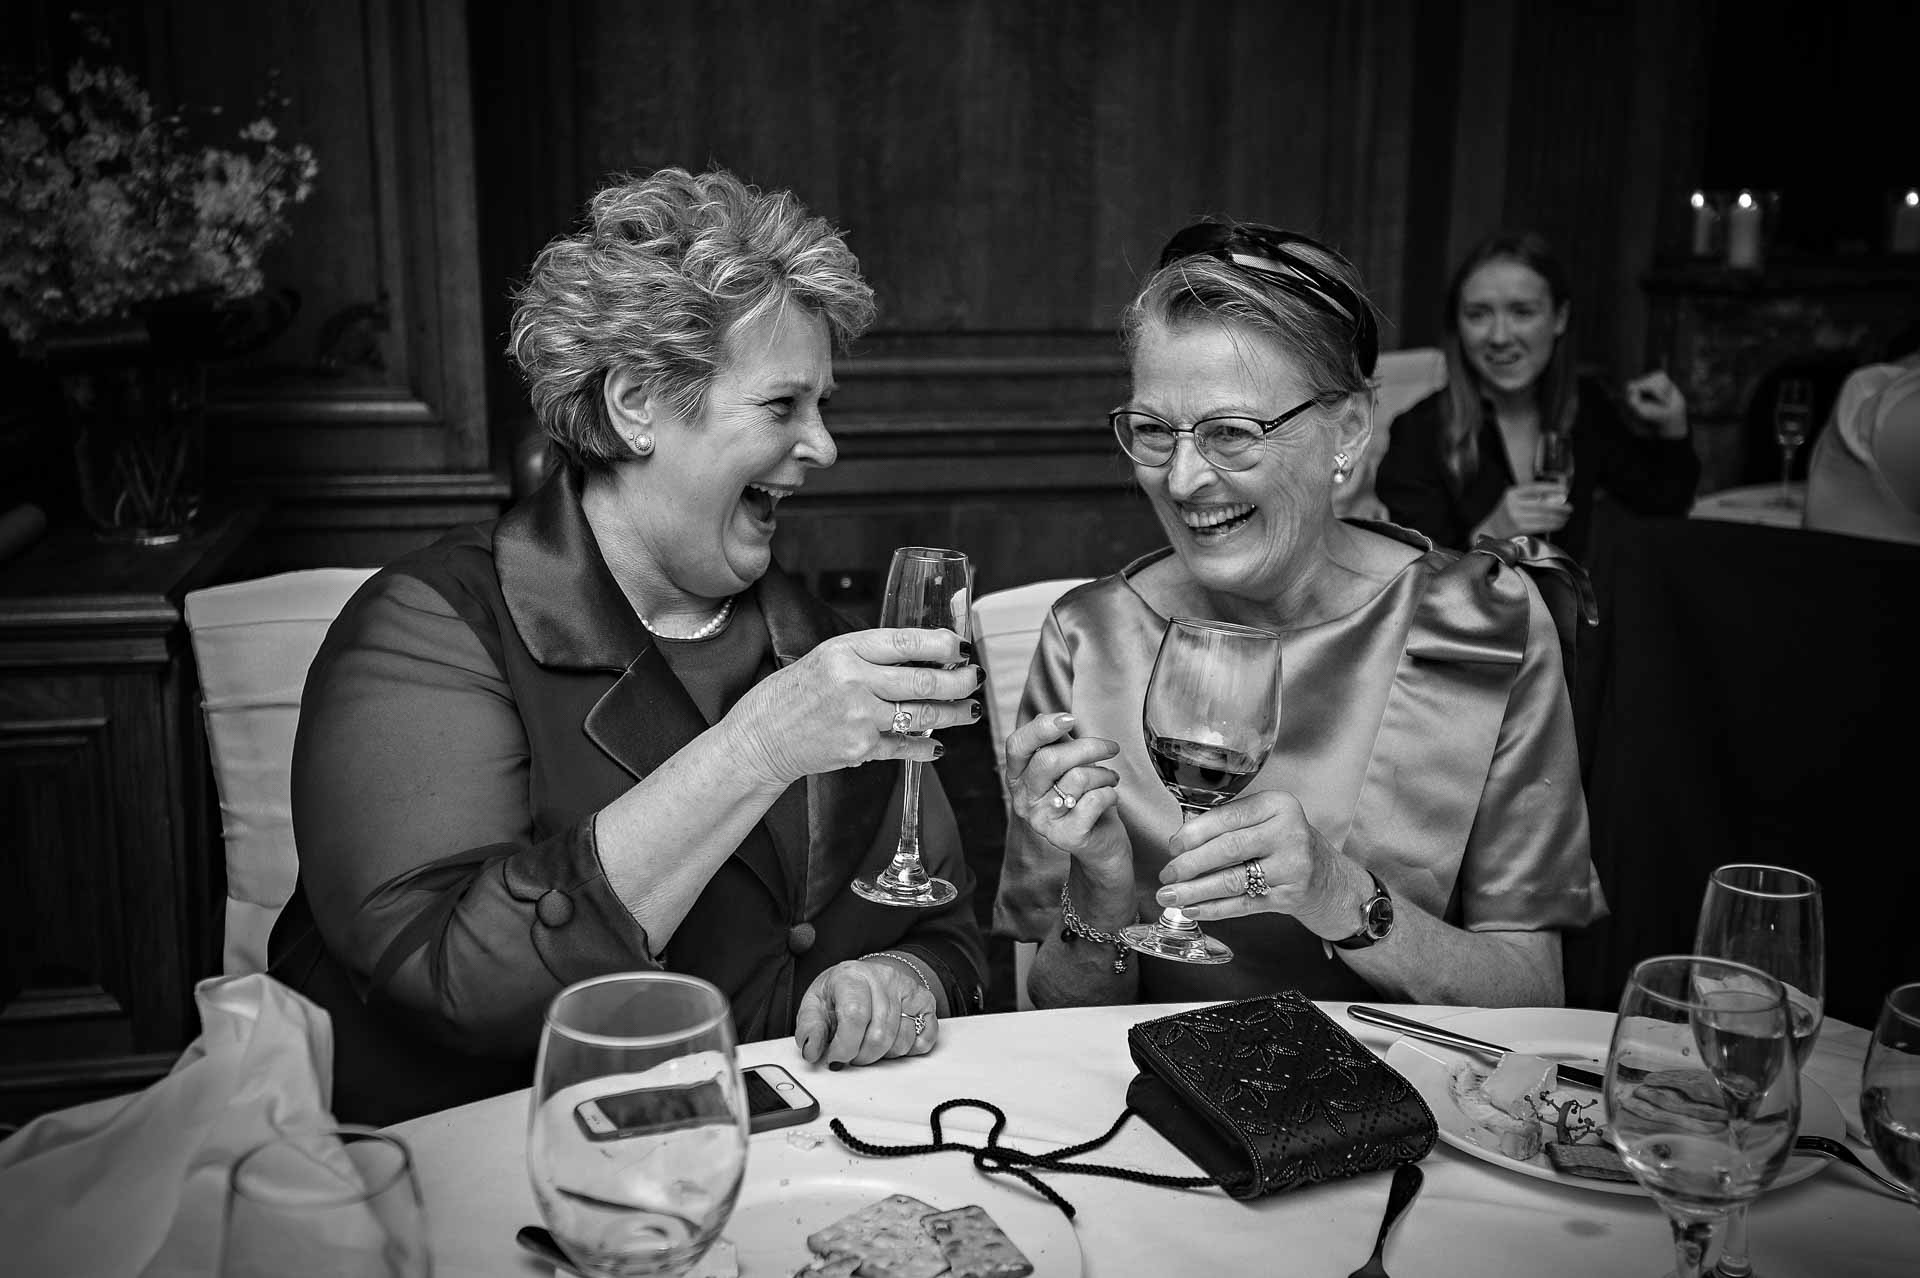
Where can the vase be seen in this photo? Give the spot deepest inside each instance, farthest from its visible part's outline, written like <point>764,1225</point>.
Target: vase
<point>137,416</point>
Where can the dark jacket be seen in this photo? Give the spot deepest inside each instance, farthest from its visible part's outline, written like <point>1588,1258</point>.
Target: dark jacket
<point>1646,475</point>
<point>472,708</point>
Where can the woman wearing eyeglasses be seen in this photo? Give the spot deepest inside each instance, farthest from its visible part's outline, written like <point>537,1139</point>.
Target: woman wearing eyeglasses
<point>1470,460</point>
<point>1418,832</point>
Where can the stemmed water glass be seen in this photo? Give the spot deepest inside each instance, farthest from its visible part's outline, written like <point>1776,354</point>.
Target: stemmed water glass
<point>1890,1085</point>
<point>339,1200</point>
<point>637,1131</point>
<point>1792,420</point>
<point>1553,460</point>
<point>1702,1096</point>
<point>1211,716</point>
<point>927,589</point>
<point>1771,918</point>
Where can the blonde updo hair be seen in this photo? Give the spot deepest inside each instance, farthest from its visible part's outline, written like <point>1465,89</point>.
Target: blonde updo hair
<point>1325,321</point>
<point>662,269</point>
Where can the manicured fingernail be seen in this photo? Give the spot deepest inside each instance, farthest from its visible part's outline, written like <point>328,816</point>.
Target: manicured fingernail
<point>938,750</point>
<point>1066,721</point>
<point>973,709</point>
<point>1166,876</point>
<point>836,1066</point>
<point>1166,896</point>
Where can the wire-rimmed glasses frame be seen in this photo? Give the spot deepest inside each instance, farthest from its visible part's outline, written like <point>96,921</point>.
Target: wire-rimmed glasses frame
<point>1226,442</point>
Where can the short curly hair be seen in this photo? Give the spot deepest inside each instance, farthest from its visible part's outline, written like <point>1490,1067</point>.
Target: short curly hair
<point>662,269</point>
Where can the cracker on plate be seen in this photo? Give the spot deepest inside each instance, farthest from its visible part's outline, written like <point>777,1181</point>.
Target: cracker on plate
<point>887,1236</point>
<point>974,1246</point>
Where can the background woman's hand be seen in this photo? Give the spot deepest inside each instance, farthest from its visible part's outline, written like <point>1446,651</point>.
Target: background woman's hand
<point>1530,509</point>
<point>1655,400</point>
<point>1306,876</point>
<point>862,1011</point>
<point>1059,786</point>
<point>834,708</point>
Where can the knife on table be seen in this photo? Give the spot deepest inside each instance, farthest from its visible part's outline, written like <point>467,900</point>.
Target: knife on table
<point>1448,1038</point>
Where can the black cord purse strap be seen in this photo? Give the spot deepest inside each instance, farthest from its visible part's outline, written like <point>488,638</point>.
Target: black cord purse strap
<point>995,1159</point>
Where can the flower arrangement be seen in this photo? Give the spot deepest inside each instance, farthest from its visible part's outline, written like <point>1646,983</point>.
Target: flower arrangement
<point>107,207</point>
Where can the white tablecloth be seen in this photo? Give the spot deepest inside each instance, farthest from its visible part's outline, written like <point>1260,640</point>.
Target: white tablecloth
<point>1061,1076</point>
<point>1755,504</point>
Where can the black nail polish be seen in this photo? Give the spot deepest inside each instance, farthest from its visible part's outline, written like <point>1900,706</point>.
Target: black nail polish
<point>836,1066</point>
<point>938,749</point>
<point>973,708</point>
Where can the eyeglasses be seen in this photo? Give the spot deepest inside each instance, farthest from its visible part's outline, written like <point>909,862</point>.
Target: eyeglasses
<point>1225,442</point>
<point>1264,249</point>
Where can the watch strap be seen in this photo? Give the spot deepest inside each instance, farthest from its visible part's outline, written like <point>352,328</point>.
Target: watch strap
<point>1366,935</point>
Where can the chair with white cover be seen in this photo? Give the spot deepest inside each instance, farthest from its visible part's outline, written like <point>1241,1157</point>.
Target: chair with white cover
<point>1006,630</point>
<point>1401,379</point>
<point>253,641</point>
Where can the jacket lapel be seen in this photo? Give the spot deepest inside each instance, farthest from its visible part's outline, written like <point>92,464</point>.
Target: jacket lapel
<point>571,614</point>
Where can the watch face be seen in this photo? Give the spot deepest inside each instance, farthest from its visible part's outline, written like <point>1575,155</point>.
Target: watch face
<point>1379,916</point>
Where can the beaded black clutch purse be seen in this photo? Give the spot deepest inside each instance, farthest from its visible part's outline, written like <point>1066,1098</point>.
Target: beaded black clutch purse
<point>1267,1094</point>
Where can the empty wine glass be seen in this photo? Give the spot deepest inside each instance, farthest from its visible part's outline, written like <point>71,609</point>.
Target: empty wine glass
<point>927,589</point>
<point>1553,460</point>
<point>1211,715</point>
<point>637,1130</point>
<point>339,1200</point>
<point>1702,1096</point>
<point>1792,420</point>
<point>1890,1085</point>
<point>1771,918</point>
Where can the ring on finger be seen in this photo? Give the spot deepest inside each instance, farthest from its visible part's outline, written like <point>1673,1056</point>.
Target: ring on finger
<point>919,1020</point>
<point>902,720</point>
<point>1256,879</point>
<point>1061,798</point>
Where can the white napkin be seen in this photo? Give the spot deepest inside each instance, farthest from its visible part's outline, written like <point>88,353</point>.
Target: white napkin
<point>136,1185</point>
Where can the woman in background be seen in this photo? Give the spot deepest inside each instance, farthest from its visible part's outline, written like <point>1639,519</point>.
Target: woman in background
<point>1418,832</point>
<point>1464,462</point>
<point>605,731</point>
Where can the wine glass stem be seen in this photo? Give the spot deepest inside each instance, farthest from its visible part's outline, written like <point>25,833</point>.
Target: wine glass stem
<point>1692,1240</point>
<point>1172,917</point>
<point>906,870</point>
<point>1734,1262</point>
<point>1786,471</point>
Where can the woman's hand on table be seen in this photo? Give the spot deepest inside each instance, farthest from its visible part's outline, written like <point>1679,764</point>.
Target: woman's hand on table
<point>1306,877</point>
<point>836,707</point>
<point>865,1010</point>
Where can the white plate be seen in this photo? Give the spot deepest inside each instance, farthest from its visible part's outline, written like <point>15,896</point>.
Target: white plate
<point>791,1191</point>
<point>1579,1037</point>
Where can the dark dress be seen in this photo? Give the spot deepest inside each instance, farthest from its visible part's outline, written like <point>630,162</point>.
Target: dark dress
<point>1611,461</point>
<point>472,708</point>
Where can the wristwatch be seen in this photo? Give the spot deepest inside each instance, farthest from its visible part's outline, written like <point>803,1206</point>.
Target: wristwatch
<point>1376,918</point>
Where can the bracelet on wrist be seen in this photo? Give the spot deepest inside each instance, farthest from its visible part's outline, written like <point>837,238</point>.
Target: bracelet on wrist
<point>907,961</point>
<point>1074,928</point>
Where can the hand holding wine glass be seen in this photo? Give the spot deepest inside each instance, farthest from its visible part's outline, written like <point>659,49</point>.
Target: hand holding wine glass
<point>1702,1096</point>
<point>637,1137</point>
<point>1553,461</point>
<point>930,589</point>
<point>1890,1085</point>
<point>1770,918</point>
<point>1211,717</point>
<point>1792,421</point>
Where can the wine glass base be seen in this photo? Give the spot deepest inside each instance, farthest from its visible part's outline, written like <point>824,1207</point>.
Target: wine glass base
<point>934,892</point>
<point>1181,947</point>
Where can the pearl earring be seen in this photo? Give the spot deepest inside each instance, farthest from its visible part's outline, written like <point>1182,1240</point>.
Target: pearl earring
<point>640,443</point>
<point>1342,467</point>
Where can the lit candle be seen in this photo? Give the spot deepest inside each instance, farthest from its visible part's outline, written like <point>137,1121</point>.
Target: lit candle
<point>1906,223</point>
<point>1743,233</point>
<point>1703,218</point>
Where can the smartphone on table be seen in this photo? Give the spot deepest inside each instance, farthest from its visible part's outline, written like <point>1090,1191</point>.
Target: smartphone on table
<point>774,1099</point>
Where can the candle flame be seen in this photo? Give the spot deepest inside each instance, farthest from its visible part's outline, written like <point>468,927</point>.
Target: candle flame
<point>1913,198</point>
<point>1746,200</point>
<point>1700,200</point>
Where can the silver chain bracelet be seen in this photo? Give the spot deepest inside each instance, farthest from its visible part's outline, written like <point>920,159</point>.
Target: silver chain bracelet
<point>908,963</point>
<point>1074,928</point>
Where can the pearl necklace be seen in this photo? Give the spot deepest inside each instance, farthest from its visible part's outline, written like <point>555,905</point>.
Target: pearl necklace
<point>713,627</point>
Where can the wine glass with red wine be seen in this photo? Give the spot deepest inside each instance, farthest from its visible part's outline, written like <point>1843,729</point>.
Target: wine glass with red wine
<point>927,589</point>
<point>1211,716</point>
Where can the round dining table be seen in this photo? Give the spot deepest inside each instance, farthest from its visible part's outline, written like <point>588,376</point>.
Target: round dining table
<point>1061,1076</point>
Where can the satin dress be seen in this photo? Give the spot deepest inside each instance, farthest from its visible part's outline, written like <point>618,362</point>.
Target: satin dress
<point>1428,734</point>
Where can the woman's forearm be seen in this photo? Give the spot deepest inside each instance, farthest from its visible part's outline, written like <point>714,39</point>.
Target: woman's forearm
<point>1080,971</point>
<point>662,840</point>
<point>1426,960</point>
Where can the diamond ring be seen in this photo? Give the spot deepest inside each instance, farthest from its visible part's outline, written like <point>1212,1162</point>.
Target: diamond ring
<point>1256,879</point>
<point>919,1020</point>
<point>902,719</point>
